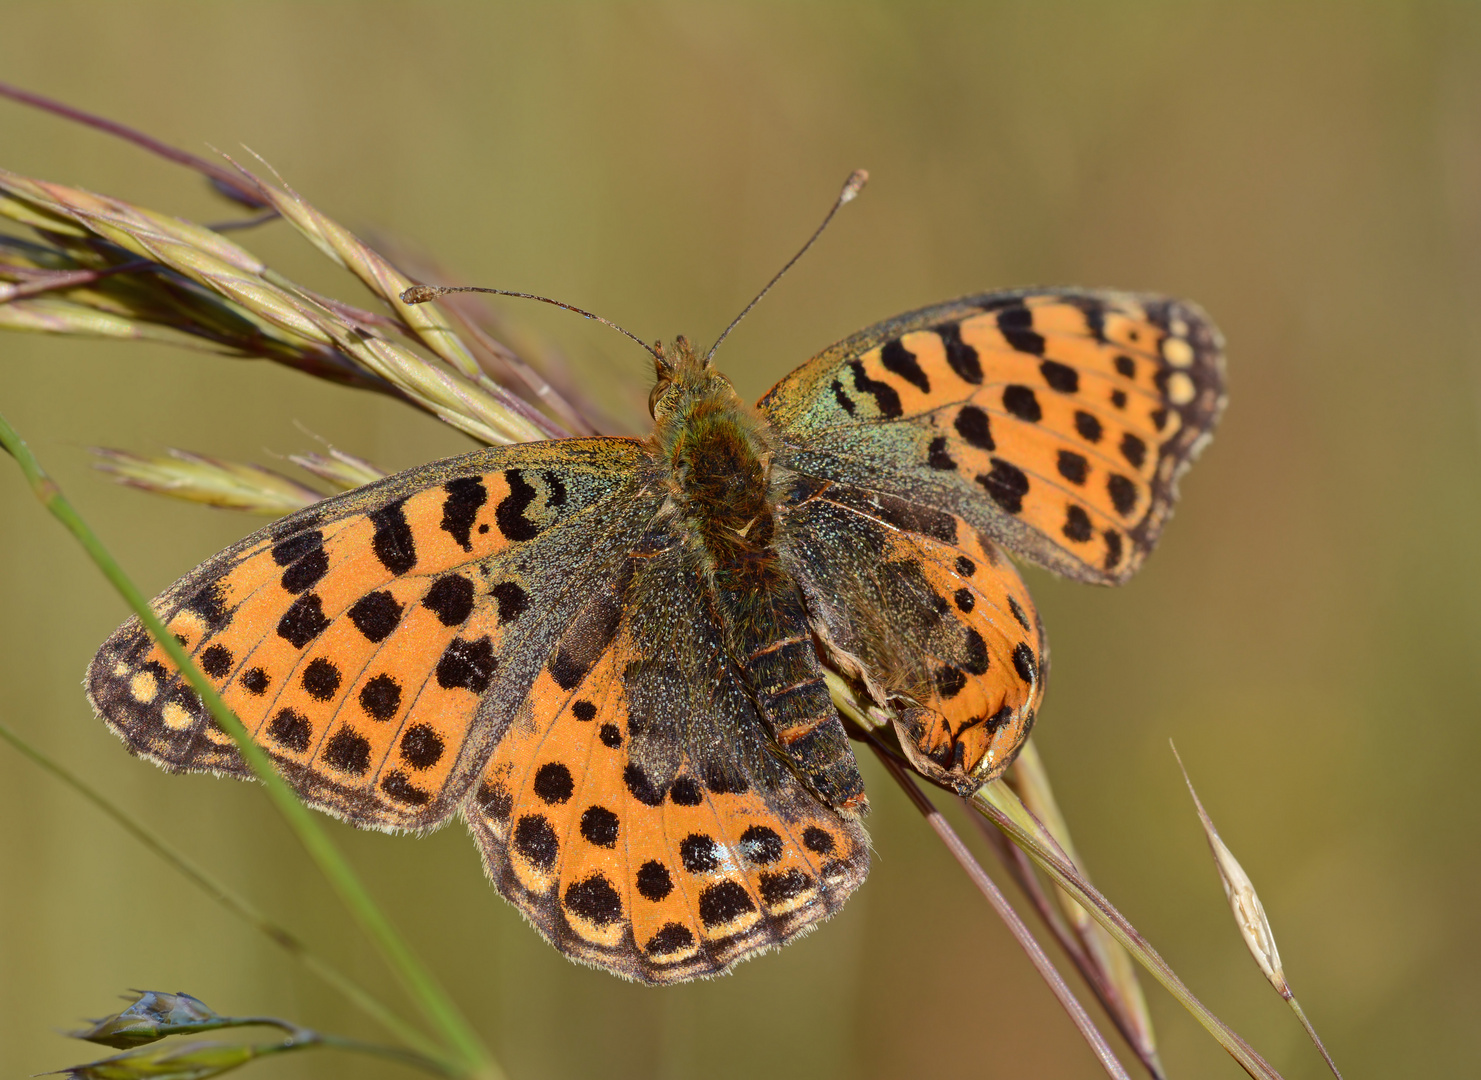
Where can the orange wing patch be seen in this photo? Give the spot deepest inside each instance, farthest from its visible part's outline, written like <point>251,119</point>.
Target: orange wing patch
<point>930,618</point>
<point>1058,422</point>
<point>632,845</point>
<point>357,638</point>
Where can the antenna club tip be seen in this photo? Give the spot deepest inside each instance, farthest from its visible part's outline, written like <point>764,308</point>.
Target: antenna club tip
<point>853,185</point>
<point>419,294</point>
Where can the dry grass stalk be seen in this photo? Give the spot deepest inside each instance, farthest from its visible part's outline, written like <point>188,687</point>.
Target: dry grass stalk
<point>1250,917</point>
<point>214,481</point>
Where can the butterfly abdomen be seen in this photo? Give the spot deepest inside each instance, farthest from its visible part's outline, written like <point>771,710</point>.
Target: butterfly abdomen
<point>720,465</point>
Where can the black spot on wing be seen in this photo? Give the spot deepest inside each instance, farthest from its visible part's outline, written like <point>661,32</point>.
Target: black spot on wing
<point>510,514</point>
<point>1060,377</point>
<point>777,888</point>
<point>1006,484</point>
<point>886,400</point>
<point>291,730</point>
<point>1018,613</point>
<point>392,541</point>
<point>671,938</point>
<point>600,826</point>
<point>936,455</point>
<point>398,787</point>
<point>817,840</point>
<point>375,615</point>
<point>468,665</point>
<point>421,746</point>
<point>1077,524</point>
<point>950,681</point>
<point>845,402</point>
<point>641,787</point>
<point>1123,494</point>
<point>215,661</point>
<point>495,801</point>
<point>210,604</point>
<point>1126,366</point>
<point>293,547</point>
<point>451,599</point>
<point>512,600</point>
<point>256,681</point>
<point>1113,548</point>
<point>303,621</point>
<point>1073,467</point>
<point>1133,450</point>
<point>961,356</point>
<point>1016,324</point>
<point>699,853</point>
<point>723,903</point>
<point>972,425</point>
<point>1088,427</point>
<point>321,679</point>
<point>553,783</point>
<point>898,360</point>
<point>654,880</point>
<point>977,659</point>
<point>348,752</point>
<point>535,840</point>
<point>761,845</point>
<point>595,900</point>
<point>1095,317</point>
<point>304,556</point>
<point>1024,663</point>
<point>1022,403</point>
<point>465,497</point>
<point>381,697</point>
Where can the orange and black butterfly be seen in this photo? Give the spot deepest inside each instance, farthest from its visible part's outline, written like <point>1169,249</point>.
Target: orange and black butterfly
<point>607,655</point>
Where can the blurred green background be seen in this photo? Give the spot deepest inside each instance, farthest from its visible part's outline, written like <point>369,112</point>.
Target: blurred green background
<point>1308,632</point>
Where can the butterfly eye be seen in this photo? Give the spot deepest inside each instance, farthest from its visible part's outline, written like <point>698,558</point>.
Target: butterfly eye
<point>658,388</point>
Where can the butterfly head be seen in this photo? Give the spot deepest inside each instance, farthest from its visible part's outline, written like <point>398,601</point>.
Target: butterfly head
<point>683,379</point>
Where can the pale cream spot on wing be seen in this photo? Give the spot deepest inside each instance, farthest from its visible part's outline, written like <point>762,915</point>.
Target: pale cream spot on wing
<point>802,899</point>
<point>188,623</point>
<point>144,686</point>
<point>1180,388</point>
<point>1177,352</point>
<point>176,717</point>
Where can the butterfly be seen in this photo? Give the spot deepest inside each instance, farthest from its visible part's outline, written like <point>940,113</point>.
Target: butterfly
<point>608,655</point>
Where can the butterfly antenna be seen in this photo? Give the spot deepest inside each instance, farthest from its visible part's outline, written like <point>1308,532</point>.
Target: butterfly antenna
<point>851,188</point>
<point>420,294</point>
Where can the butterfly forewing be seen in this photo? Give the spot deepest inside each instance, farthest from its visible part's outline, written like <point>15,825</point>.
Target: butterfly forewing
<point>1057,421</point>
<point>367,641</point>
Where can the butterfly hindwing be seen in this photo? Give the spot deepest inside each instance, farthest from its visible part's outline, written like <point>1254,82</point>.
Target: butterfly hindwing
<point>929,615</point>
<point>636,811</point>
<point>370,642</point>
<point>1056,421</point>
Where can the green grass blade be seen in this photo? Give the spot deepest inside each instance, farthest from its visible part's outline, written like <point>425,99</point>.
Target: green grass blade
<point>223,895</point>
<point>424,988</point>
